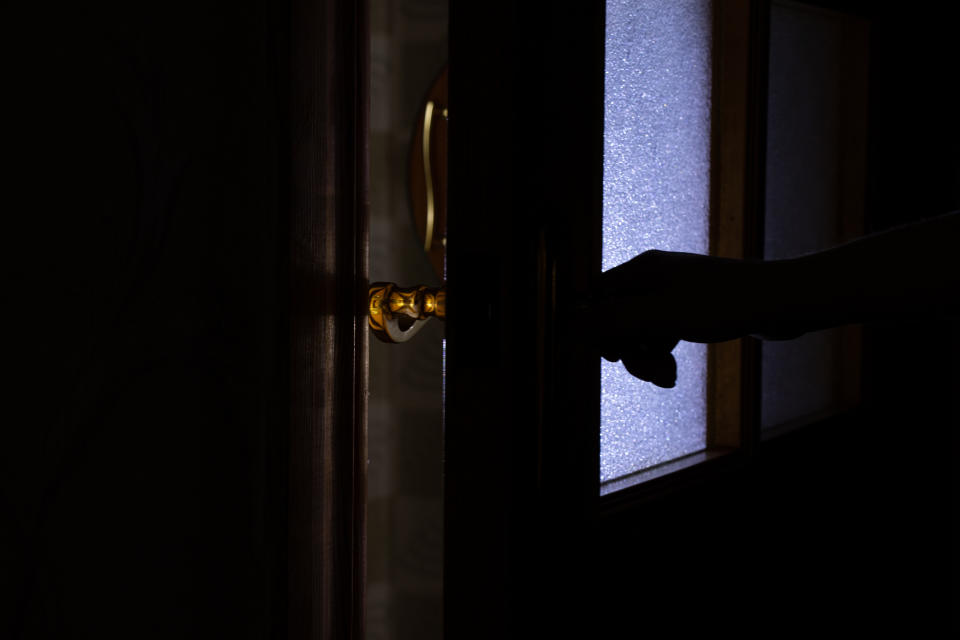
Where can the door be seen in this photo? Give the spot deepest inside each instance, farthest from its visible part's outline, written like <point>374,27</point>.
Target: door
<point>784,531</point>
<point>521,452</point>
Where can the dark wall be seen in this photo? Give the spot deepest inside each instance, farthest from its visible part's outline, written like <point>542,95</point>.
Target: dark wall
<point>139,456</point>
<point>912,375</point>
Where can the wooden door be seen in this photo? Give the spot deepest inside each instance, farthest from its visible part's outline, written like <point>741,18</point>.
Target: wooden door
<point>531,548</point>
<point>521,452</point>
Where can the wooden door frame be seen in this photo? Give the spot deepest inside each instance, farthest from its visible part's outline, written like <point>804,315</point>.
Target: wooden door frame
<point>521,469</point>
<point>323,57</point>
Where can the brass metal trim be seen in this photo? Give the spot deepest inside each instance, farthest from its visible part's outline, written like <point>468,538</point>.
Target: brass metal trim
<point>388,304</point>
<point>427,175</point>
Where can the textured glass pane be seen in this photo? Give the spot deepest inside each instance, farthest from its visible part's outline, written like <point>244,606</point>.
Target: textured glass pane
<point>655,196</point>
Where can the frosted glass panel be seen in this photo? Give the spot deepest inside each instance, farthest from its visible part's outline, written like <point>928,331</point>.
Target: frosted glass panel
<point>655,196</point>
<point>810,108</point>
<point>803,132</point>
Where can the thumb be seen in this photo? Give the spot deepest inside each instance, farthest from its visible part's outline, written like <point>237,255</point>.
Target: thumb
<point>658,367</point>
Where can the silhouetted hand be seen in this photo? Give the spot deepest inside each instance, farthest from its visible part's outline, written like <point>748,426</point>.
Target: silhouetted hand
<point>644,307</point>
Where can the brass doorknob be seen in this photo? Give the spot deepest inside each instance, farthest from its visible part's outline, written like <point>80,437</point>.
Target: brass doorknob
<point>397,313</point>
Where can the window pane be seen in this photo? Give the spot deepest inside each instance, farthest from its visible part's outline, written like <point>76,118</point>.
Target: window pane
<point>656,194</point>
<point>814,184</point>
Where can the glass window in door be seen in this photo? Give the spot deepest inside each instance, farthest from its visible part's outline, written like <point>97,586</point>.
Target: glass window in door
<point>656,195</point>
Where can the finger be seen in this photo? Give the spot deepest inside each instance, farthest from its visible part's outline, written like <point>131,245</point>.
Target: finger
<point>611,355</point>
<point>613,350</point>
<point>648,349</point>
<point>634,276</point>
<point>660,368</point>
<point>628,319</point>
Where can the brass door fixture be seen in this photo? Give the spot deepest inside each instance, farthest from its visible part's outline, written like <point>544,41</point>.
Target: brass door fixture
<point>396,314</point>
<point>428,173</point>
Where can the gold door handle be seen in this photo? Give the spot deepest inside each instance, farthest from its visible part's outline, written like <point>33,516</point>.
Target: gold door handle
<point>397,314</point>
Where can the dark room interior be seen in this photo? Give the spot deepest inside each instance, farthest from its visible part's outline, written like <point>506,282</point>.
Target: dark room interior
<point>185,445</point>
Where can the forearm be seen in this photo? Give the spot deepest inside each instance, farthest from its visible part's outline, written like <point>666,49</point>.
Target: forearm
<point>903,272</point>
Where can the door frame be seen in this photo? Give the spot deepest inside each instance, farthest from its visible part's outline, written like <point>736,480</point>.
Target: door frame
<point>521,447</point>
<point>323,60</point>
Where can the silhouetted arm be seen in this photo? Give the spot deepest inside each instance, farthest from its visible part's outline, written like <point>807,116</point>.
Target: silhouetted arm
<point>645,306</point>
<point>910,270</point>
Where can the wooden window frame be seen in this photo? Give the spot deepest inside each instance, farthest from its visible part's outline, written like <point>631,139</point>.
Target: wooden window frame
<point>738,146</point>
<point>521,471</point>
<point>738,173</point>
